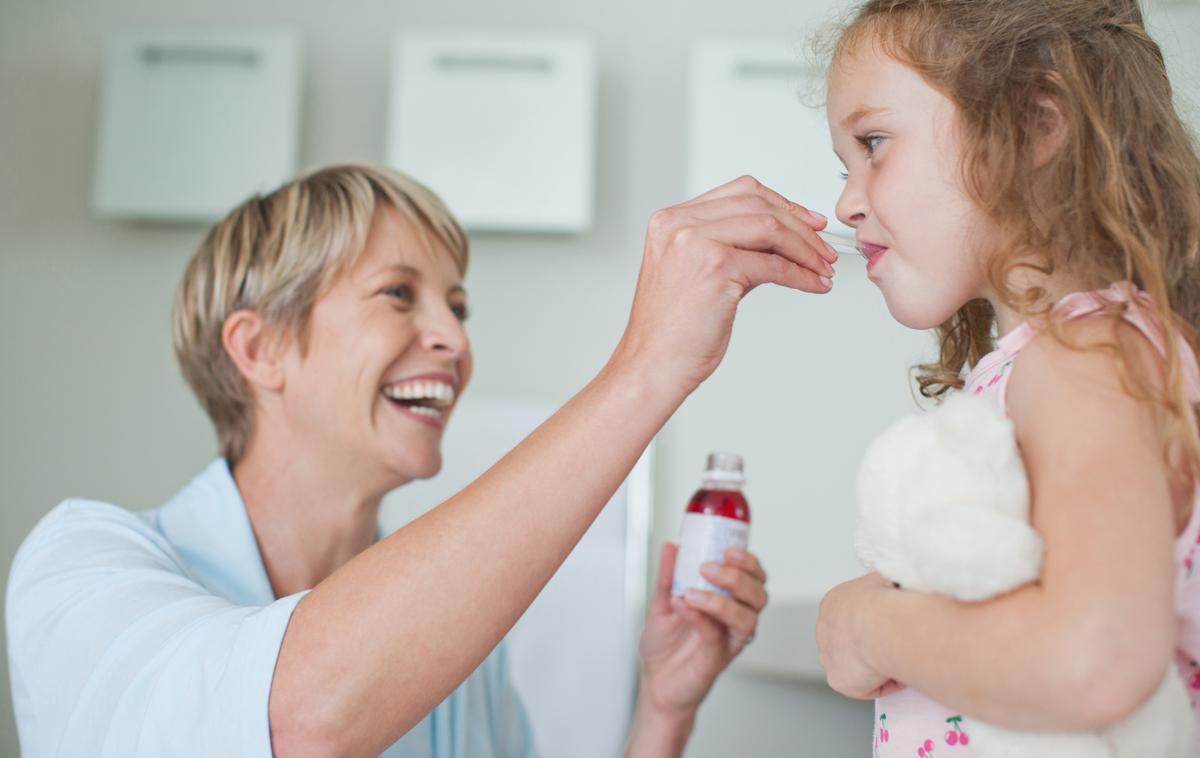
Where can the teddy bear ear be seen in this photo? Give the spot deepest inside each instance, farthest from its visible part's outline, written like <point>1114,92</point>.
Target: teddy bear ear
<point>972,554</point>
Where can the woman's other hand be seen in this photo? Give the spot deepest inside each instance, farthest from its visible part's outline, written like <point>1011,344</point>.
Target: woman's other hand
<point>701,258</point>
<point>689,640</point>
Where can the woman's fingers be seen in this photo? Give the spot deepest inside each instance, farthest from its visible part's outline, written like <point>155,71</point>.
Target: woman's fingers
<point>710,629</point>
<point>745,587</point>
<point>768,234</point>
<point>746,561</point>
<point>748,185</point>
<point>700,259</point>
<point>743,576</point>
<point>740,620</point>
<point>762,268</point>
<point>666,572</point>
<point>753,205</point>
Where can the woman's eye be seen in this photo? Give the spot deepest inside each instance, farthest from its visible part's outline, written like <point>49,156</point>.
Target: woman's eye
<point>461,312</point>
<point>845,175</point>
<point>400,292</point>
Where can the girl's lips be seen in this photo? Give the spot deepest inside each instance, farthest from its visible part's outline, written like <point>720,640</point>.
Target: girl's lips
<point>872,253</point>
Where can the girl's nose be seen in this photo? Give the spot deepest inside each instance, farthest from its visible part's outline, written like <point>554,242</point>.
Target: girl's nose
<point>851,206</point>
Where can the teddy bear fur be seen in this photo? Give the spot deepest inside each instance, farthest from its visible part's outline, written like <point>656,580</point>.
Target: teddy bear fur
<point>944,508</point>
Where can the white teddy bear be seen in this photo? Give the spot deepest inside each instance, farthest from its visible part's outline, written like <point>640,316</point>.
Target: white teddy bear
<point>944,508</point>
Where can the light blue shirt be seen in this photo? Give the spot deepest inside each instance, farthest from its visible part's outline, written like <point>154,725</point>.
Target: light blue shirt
<point>156,634</point>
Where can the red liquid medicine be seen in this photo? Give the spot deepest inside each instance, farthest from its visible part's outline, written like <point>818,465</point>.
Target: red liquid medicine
<point>718,517</point>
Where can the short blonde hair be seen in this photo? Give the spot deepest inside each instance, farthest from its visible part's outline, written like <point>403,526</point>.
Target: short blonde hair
<point>276,254</point>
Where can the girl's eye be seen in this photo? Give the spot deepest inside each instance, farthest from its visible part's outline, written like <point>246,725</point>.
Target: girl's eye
<point>461,312</point>
<point>845,175</point>
<point>871,143</point>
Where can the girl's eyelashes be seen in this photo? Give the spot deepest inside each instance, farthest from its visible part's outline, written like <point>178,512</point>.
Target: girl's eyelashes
<point>461,312</point>
<point>870,143</point>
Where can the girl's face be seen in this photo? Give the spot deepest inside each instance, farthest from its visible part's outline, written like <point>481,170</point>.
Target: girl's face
<point>386,360</point>
<point>896,137</point>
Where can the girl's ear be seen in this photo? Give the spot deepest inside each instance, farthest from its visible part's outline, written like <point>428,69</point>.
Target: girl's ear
<point>1048,130</point>
<point>255,349</point>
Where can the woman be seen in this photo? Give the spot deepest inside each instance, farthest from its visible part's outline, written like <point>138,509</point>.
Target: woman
<point>258,612</point>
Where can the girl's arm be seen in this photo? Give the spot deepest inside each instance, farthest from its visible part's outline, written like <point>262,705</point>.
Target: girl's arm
<point>1092,640</point>
<point>376,646</point>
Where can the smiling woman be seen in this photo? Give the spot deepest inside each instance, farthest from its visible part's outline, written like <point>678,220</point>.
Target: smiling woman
<point>281,270</point>
<point>259,613</point>
<point>394,315</point>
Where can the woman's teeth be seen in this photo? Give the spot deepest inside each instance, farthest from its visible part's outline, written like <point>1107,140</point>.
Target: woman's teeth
<point>424,410</point>
<point>433,396</point>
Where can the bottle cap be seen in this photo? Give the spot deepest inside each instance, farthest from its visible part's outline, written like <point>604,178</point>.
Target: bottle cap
<point>725,467</point>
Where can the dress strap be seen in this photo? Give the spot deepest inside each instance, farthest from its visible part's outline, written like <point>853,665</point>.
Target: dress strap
<point>1140,314</point>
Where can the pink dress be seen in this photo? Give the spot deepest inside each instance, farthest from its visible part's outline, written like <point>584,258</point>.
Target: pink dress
<point>910,725</point>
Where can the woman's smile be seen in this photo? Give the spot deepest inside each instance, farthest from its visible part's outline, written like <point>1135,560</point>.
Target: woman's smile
<point>427,398</point>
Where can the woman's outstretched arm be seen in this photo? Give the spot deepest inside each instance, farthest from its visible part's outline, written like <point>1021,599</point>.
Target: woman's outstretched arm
<point>376,646</point>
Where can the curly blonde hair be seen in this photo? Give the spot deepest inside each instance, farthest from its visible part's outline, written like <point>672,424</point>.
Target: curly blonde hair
<point>276,254</point>
<point>1118,202</point>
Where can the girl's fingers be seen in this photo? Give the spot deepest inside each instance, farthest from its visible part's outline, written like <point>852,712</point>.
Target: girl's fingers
<point>746,588</point>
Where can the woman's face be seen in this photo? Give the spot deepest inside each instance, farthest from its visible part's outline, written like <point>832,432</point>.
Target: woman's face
<point>386,360</point>
<point>903,196</point>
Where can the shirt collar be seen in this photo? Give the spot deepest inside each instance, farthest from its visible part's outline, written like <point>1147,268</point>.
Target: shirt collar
<point>207,524</point>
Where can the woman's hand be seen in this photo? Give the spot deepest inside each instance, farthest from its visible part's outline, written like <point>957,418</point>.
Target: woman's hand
<point>689,640</point>
<point>701,258</point>
<point>837,638</point>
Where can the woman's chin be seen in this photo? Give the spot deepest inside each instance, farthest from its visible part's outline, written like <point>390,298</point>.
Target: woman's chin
<point>411,468</point>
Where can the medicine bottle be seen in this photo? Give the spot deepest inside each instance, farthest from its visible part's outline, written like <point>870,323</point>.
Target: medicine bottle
<point>717,517</point>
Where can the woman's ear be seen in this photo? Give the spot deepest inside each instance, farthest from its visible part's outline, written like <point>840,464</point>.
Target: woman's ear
<point>1049,130</point>
<point>255,349</point>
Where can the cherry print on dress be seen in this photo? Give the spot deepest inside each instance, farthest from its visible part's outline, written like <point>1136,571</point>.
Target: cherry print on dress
<point>957,736</point>
<point>1189,561</point>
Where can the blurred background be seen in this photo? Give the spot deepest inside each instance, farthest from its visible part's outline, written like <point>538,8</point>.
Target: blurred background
<point>658,100</point>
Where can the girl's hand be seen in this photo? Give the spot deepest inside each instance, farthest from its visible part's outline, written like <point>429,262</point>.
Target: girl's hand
<point>700,259</point>
<point>688,641</point>
<point>841,609</point>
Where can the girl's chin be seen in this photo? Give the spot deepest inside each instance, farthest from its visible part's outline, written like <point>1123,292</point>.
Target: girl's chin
<point>919,319</point>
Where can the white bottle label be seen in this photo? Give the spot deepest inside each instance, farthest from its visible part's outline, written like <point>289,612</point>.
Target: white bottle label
<point>704,538</point>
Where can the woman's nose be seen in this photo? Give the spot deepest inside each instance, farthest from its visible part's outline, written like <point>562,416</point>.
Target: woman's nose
<point>443,332</point>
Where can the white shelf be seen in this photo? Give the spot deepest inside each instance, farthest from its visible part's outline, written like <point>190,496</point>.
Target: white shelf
<point>501,126</point>
<point>784,646</point>
<point>193,122</point>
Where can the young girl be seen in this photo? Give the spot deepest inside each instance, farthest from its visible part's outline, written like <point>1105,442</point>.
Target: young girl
<point>1018,178</point>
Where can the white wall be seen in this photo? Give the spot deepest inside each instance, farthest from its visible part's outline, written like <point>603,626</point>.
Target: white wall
<point>91,404</point>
